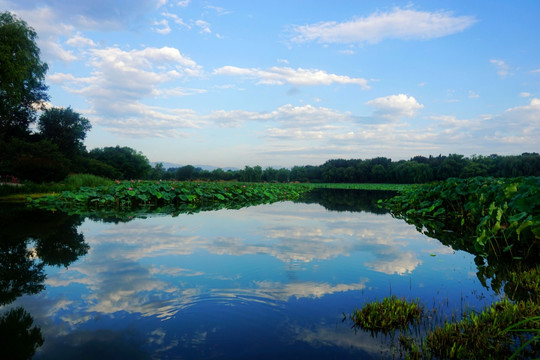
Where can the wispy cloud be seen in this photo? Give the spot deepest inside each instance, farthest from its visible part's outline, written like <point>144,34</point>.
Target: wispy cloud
<point>399,23</point>
<point>502,67</point>
<point>286,75</point>
<point>162,27</point>
<point>204,26</point>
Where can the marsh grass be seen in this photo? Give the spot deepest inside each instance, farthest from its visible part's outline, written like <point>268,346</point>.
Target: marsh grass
<point>387,315</point>
<point>487,334</point>
<point>72,182</point>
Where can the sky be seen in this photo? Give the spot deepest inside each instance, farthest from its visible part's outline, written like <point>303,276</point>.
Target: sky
<point>295,82</point>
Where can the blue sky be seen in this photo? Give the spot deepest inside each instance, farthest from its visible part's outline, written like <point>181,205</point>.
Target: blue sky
<point>283,83</point>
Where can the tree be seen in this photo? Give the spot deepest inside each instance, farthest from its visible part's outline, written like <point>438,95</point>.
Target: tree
<point>185,172</point>
<point>22,75</point>
<point>65,128</point>
<point>35,161</point>
<point>129,163</point>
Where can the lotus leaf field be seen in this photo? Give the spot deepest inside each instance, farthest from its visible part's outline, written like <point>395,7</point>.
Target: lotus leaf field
<point>125,195</point>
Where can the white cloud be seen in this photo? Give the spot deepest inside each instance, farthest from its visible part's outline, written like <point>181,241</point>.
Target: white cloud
<point>394,107</point>
<point>218,10</point>
<point>177,20</point>
<point>204,26</point>
<point>473,95</point>
<point>502,67</point>
<point>121,80</point>
<point>298,77</point>
<point>396,24</point>
<point>162,27</point>
<point>525,94</point>
<point>183,3</point>
<point>78,40</point>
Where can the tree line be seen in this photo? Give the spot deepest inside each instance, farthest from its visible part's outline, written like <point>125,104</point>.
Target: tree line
<point>418,169</point>
<point>56,147</point>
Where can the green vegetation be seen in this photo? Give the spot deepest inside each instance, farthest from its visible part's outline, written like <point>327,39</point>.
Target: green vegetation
<point>501,331</point>
<point>9,192</point>
<point>370,187</point>
<point>498,220</point>
<point>154,194</point>
<point>490,214</point>
<point>378,170</point>
<point>22,76</point>
<point>387,315</point>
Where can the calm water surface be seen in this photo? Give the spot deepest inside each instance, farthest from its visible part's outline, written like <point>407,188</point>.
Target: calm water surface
<point>262,282</point>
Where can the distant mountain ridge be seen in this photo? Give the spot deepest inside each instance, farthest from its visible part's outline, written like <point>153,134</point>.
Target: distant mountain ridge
<point>168,165</point>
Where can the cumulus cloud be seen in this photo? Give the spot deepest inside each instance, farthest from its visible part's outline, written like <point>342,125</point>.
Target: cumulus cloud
<point>121,80</point>
<point>286,75</point>
<point>399,23</point>
<point>394,107</point>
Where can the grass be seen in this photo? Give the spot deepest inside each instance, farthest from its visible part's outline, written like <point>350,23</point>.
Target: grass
<point>379,187</point>
<point>10,193</point>
<point>387,315</point>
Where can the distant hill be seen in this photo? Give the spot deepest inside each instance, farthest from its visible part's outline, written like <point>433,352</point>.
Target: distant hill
<point>167,165</point>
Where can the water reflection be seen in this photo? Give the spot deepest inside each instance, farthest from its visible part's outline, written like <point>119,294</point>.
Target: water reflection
<point>29,241</point>
<point>262,281</point>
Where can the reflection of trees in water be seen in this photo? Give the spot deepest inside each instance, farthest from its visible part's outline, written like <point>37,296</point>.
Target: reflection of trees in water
<point>29,240</point>
<point>19,272</point>
<point>19,340</point>
<point>348,200</point>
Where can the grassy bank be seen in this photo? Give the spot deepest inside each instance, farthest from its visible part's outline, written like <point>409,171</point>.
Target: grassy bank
<point>20,192</point>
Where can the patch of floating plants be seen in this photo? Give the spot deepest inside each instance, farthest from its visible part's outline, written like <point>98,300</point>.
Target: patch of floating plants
<point>387,315</point>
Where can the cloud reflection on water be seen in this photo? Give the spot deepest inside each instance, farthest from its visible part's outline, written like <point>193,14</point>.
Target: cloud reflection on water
<point>269,256</point>
<point>129,266</point>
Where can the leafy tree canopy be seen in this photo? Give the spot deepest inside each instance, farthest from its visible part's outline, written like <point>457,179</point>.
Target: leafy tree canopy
<point>22,75</point>
<point>65,128</point>
<point>130,163</point>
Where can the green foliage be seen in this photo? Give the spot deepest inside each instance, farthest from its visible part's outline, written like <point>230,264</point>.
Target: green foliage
<point>129,194</point>
<point>491,214</point>
<point>499,221</point>
<point>35,161</point>
<point>387,315</point>
<point>491,333</point>
<point>22,76</point>
<point>374,187</point>
<point>65,128</point>
<point>128,162</point>
<point>71,182</point>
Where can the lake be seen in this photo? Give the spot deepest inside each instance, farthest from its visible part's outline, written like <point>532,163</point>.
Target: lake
<point>265,282</point>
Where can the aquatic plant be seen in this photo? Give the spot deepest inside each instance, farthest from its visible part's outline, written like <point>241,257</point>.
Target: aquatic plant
<point>123,195</point>
<point>387,315</point>
<point>498,215</point>
<point>487,334</point>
